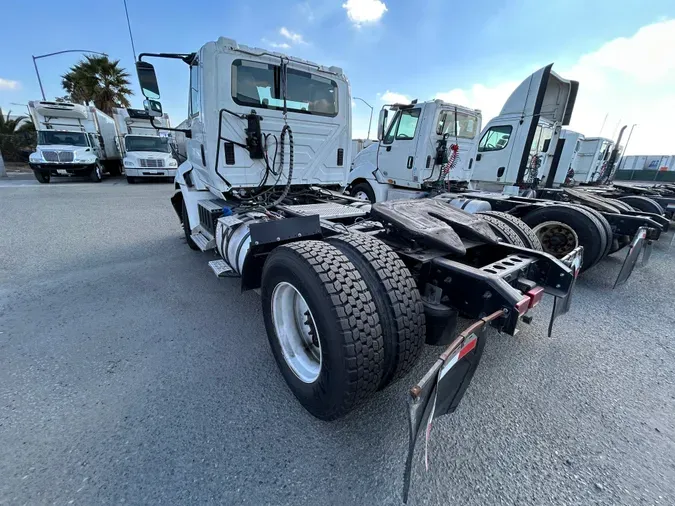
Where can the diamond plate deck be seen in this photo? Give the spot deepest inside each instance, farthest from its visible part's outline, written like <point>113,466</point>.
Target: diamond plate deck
<point>327,210</point>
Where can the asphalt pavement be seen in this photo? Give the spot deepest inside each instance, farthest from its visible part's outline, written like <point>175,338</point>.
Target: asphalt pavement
<point>129,373</point>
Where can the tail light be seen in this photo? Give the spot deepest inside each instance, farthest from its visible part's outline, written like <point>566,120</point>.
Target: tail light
<point>535,295</point>
<point>531,299</point>
<point>523,305</point>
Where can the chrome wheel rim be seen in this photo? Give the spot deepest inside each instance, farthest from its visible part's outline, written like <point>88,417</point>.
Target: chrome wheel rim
<point>556,238</point>
<point>296,331</point>
<point>361,195</point>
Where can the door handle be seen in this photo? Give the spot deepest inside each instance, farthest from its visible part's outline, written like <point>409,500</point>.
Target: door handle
<point>410,162</point>
<point>500,171</point>
<point>388,148</point>
<point>478,157</point>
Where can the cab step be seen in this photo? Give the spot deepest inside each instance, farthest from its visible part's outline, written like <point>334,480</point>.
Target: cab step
<point>203,239</point>
<point>220,268</point>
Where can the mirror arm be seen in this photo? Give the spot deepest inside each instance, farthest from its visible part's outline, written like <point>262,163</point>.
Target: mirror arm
<point>186,57</point>
<point>187,132</point>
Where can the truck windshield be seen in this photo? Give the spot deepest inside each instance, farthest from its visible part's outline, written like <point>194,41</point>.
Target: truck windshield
<point>138,143</point>
<point>46,138</point>
<point>466,124</point>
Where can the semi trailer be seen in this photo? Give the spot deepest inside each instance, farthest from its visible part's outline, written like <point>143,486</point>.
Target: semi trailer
<point>350,290</point>
<point>73,140</point>
<point>146,150</point>
<point>426,145</point>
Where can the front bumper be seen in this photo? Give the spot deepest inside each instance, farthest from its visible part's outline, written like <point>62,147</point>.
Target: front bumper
<point>58,169</point>
<point>143,172</point>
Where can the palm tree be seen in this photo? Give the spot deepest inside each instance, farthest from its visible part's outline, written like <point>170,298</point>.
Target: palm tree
<point>18,124</point>
<point>100,81</point>
<point>17,137</point>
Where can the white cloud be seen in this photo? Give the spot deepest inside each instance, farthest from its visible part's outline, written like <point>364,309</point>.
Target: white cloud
<point>295,38</point>
<point>628,79</point>
<point>8,84</point>
<point>280,45</point>
<point>391,97</point>
<point>364,11</point>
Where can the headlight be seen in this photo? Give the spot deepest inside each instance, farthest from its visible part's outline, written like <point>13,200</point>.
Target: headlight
<point>173,163</point>
<point>128,163</point>
<point>35,157</point>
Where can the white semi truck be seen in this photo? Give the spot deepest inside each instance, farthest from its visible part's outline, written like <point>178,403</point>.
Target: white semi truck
<point>426,145</point>
<point>350,291</point>
<point>147,151</point>
<point>73,140</point>
<point>519,162</point>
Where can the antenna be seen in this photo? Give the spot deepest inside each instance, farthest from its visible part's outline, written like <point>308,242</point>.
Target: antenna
<point>131,36</point>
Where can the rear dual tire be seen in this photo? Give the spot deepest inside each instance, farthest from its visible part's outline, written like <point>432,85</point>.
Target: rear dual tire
<point>316,303</point>
<point>511,226</point>
<point>643,204</point>
<point>562,227</point>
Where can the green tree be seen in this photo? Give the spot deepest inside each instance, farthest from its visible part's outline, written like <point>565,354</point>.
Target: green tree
<point>100,81</point>
<point>17,137</point>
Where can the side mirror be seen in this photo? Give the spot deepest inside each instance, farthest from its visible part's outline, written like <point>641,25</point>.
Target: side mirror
<point>148,80</point>
<point>381,123</point>
<point>547,144</point>
<point>153,108</point>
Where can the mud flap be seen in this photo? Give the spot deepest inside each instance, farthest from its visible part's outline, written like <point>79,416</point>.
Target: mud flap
<point>441,389</point>
<point>561,305</point>
<point>647,251</point>
<point>632,256</point>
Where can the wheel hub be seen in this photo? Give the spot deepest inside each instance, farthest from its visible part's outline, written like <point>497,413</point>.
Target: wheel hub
<point>556,238</point>
<point>296,331</point>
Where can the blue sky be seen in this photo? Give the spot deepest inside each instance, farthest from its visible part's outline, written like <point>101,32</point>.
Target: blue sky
<point>419,49</point>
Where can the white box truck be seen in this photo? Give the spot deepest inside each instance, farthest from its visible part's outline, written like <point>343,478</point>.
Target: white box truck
<point>73,140</point>
<point>147,151</point>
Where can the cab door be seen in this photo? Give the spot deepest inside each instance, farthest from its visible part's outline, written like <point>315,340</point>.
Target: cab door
<point>396,153</point>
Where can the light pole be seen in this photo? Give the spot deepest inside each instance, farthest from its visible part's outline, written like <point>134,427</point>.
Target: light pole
<point>371,114</point>
<point>37,73</point>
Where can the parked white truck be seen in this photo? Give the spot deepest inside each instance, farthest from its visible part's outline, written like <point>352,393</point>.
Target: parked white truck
<point>350,291</point>
<point>73,140</point>
<point>425,145</point>
<point>147,151</point>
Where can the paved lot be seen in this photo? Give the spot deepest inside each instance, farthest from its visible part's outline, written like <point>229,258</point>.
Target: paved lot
<point>129,373</point>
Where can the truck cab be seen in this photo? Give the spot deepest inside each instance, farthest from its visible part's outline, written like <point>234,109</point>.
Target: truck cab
<point>420,145</point>
<point>592,159</point>
<point>147,151</point>
<point>565,164</point>
<point>516,148</point>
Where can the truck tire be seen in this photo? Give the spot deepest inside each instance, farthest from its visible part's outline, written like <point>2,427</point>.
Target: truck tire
<point>397,300</point>
<point>363,191</point>
<point>131,180</point>
<point>186,227</point>
<point>621,205</point>
<point>643,204</point>
<point>524,232</point>
<point>503,230</point>
<point>114,169</point>
<point>42,177</point>
<point>322,326</point>
<point>561,227</point>
<point>609,233</point>
<point>96,174</point>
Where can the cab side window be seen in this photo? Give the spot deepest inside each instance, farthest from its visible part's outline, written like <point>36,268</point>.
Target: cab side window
<point>194,88</point>
<point>495,139</point>
<point>403,126</point>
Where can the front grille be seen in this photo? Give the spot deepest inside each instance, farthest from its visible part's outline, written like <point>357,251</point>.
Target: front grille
<point>150,163</point>
<point>58,156</point>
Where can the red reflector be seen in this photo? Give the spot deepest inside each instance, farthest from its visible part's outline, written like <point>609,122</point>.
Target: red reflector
<point>467,348</point>
<point>523,305</point>
<point>535,295</point>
